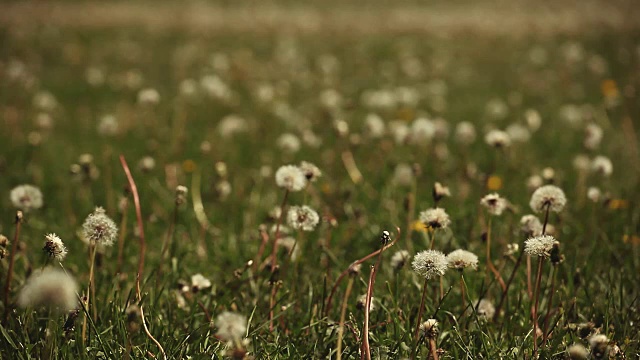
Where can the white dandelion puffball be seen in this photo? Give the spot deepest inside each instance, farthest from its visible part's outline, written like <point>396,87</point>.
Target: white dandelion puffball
<point>460,259</point>
<point>548,196</point>
<point>50,288</point>
<point>530,225</point>
<point>494,203</point>
<point>26,197</point>
<point>497,139</point>
<point>399,259</point>
<point>302,217</point>
<point>310,170</point>
<point>435,218</point>
<point>291,177</point>
<point>430,264</point>
<point>231,326</point>
<point>99,228</point>
<point>539,245</point>
<point>54,247</point>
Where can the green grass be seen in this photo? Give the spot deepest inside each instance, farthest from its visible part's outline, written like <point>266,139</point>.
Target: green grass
<point>597,282</point>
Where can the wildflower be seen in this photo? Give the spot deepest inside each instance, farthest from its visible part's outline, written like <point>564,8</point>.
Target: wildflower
<point>460,259</point>
<point>548,174</point>
<point>199,282</point>
<point>362,301</point>
<point>98,228</point>
<point>440,191</point>
<point>498,139</point>
<point>485,309</point>
<point>231,326</point>
<point>400,131</point>
<point>602,165</point>
<point>403,175</point>
<point>291,178</point>
<point>231,125</point>
<point>399,259</point>
<point>497,109</point>
<point>430,263</point>
<point>223,189</point>
<point>599,344</point>
<point>311,172</point>
<point>26,197</point>
<point>581,162</point>
<point>577,352</point>
<point>422,131</point>
<point>512,249</point>
<point>435,218</point>
<point>465,133</point>
<point>533,119</point>
<point>148,96</point>
<point>429,328</point>
<point>54,247</point>
<point>108,125</point>
<point>133,314</point>
<point>290,244</point>
<point>181,194</point>
<point>592,136</point>
<point>594,194</point>
<point>548,196</point>
<point>51,288</point>
<point>302,217</point>
<point>534,182</point>
<point>539,245</point>
<point>494,204</point>
<point>288,142</point>
<point>518,133</point>
<point>374,126</point>
<point>146,164</point>
<point>530,225</point>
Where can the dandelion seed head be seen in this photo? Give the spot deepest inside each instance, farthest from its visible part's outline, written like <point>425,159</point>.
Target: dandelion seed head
<point>435,218</point>
<point>399,259</point>
<point>374,126</point>
<point>288,142</point>
<point>465,133</point>
<point>530,225</point>
<point>231,326</point>
<point>485,309</point>
<point>302,217</point>
<point>577,352</point>
<point>290,177</point>
<point>602,165</point>
<point>429,328</point>
<point>54,247</point>
<point>460,259</point>
<point>592,136</point>
<point>362,302</point>
<point>594,194</point>
<point>50,288</point>
<point>199,282</point>
<point>539,245</point>
<point>311,172</point>
<point>440,191</point>
<point>494,203</point>
<point>548,195</point>
<point>430,264</point>
<point>403,175</point>
<point>98,228</point>
<point>26,197</point>
<point>497,139</point>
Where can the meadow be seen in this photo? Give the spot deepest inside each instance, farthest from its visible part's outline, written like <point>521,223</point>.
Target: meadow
<point>272,194</point>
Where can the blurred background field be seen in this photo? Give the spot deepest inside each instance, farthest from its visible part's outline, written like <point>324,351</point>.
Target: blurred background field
<point>221,94</point>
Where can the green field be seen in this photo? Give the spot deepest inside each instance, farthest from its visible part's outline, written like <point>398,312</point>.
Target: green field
<point>220,109</point>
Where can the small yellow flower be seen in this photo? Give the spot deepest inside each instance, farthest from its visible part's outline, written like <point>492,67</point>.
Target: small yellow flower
<point>616,204</point>
<point>418,226</point>
<point>494,183</point>
<point>631,239</point>
<point>189,166</point>
<point>609,88</point>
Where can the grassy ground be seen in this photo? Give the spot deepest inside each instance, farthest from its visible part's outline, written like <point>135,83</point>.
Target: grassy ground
<point>310,86</point>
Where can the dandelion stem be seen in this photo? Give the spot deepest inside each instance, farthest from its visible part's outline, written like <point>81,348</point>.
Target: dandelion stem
<point>357,262</point>
<point>549,305</point>
<point>433,348</point>
<point>343,313</point>
<point>535,307</point>
<point>123,231</point>
<point>418,319</point>
<point>509,281</point>
<point>274,259</point>
<point>12,259</point>
<point>366,350</point>
<point>490,267</point>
